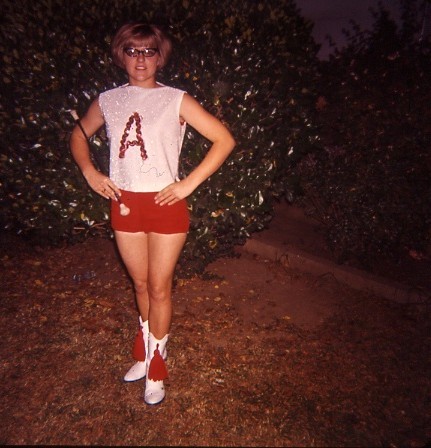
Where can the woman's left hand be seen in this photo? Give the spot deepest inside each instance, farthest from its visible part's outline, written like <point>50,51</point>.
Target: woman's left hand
<point>173,193</point>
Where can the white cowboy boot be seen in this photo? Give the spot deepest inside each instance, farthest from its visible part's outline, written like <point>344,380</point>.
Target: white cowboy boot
<point>157,371</point>
<point>140,349</point>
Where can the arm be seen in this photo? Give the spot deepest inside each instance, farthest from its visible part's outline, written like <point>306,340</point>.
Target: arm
<point>80,150</point>
<point>222,145</point>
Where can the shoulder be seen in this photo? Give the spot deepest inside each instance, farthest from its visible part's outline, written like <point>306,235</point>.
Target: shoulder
<point>167,87</point>
<point>111,97</point>
<point>170,96</point>
<point>113,91</point>
<point>189,102</point>
<point>173,91</point>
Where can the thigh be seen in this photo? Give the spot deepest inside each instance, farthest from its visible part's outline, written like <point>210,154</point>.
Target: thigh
<point>163,253</point>
<point>133,248</point>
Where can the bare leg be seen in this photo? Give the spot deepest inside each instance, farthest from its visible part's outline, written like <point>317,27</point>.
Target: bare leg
<point>164,251</point>
<point>150,260</point>
<point>133,248</point>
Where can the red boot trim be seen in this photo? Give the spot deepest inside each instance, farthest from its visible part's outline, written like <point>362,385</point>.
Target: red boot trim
<point>157,370</point>
<point>138,351</point>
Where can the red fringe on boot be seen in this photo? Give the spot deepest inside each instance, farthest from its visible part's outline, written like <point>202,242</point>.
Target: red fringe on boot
<point>157,370</point>
<point>138,351</point>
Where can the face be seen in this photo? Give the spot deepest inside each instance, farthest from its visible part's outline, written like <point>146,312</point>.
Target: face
<point>141,64</point>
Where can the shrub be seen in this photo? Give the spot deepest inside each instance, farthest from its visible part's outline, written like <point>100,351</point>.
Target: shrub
<point>253,64</point>
<point>370,186</point>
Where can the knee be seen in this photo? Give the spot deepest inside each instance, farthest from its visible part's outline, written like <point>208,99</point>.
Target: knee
<point>159,293</point>
<point>141,286</point>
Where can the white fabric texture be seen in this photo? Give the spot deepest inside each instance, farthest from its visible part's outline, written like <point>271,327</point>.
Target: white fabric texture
<point>163,135</point>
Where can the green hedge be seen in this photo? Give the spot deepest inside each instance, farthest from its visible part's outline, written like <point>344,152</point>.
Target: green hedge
<point>253,64</point>
<point>370,187</point>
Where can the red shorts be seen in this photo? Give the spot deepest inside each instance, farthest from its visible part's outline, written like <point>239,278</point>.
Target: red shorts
<point>147,216</point>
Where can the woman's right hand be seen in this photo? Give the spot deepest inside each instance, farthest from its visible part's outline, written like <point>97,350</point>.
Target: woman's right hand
<point>102,184</point>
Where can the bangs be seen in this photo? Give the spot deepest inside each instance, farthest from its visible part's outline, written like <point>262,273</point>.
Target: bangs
<point>147,42</point>
<point>141,35</point>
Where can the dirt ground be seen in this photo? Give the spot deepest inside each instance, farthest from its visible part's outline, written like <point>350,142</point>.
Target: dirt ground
<point>259,355</point>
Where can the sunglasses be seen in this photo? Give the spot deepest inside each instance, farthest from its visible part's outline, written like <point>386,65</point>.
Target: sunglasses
<point>134,52</point>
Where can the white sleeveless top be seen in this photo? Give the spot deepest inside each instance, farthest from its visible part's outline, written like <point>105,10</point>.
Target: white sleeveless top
<point>147,122</point>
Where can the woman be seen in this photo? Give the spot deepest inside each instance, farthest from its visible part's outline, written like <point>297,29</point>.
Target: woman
<point>146,123</point>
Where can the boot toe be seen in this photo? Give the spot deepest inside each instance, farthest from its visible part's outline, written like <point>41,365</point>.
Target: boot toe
<point>137,372</point>
<point>154,392</point>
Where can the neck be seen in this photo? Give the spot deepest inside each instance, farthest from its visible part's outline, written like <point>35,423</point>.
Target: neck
<point>147,84</point>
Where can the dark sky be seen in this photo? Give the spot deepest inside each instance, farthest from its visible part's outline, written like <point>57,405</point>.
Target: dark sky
<point>331,16</point>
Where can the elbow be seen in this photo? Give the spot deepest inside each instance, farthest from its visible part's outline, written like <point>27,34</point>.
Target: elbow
<point>72,139</point>
<point>231,143</point>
